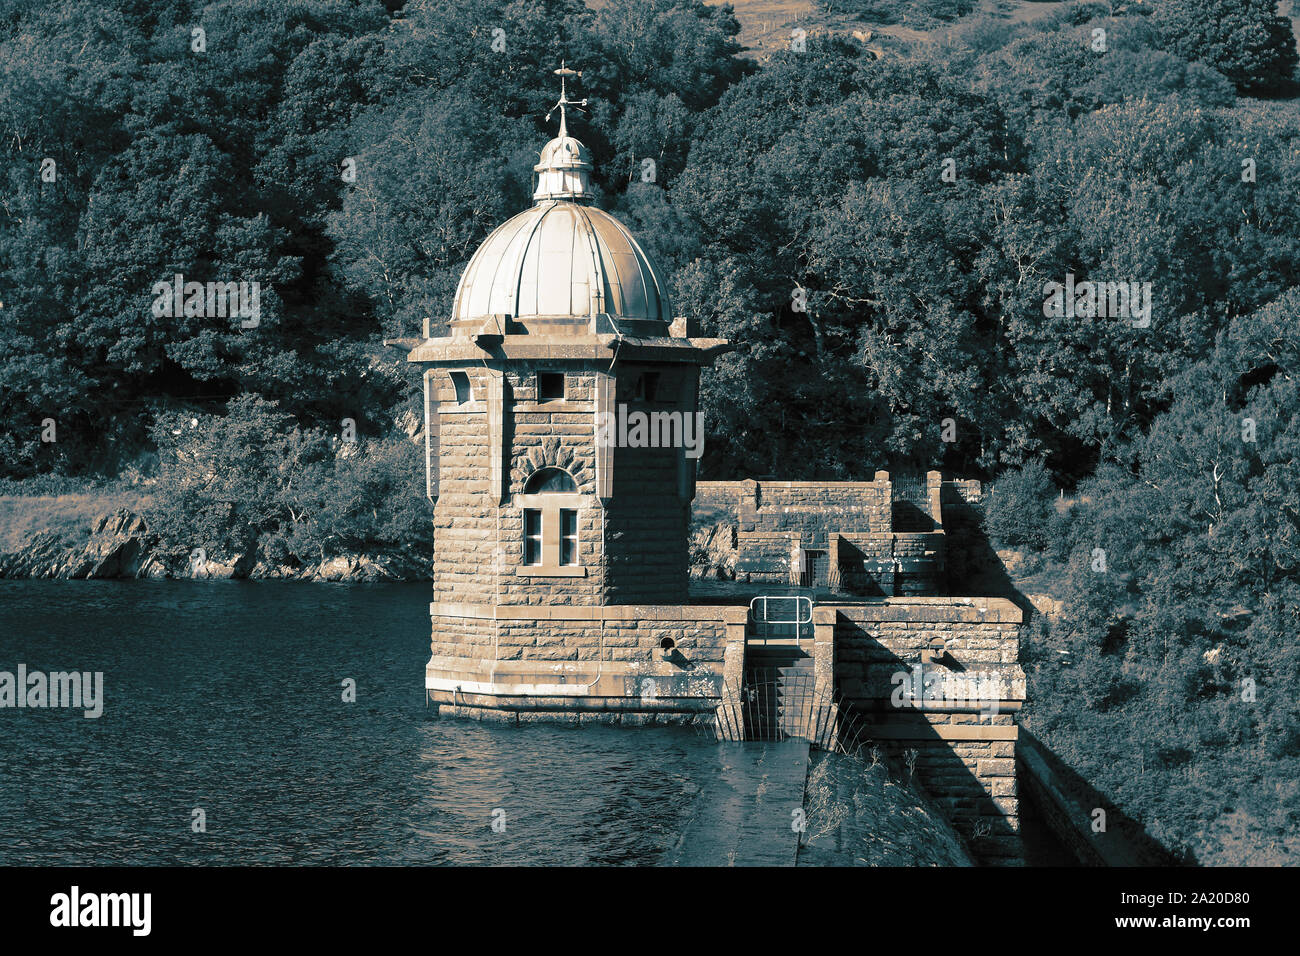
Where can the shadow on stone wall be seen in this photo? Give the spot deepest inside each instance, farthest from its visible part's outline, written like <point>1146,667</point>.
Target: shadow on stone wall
<point>942,767</point>
<point>973,566</point>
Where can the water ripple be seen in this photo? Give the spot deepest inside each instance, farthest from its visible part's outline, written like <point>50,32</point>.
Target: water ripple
<point>226,696</point>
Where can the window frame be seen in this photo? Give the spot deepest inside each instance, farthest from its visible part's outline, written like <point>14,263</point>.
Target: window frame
<point>645,388</point>
<point>550,505</point>
<point>538,539</point>
<point>569,539</point>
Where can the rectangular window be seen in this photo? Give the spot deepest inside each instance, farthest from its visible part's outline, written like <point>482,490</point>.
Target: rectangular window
<point>568,536</point>
<point>550,386</point>
<point>532,536</point>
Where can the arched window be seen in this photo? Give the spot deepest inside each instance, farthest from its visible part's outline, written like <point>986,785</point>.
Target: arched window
<point>551,505</point>
<point>550,481</point>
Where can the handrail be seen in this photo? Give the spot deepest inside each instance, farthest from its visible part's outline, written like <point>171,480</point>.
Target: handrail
<point>799,601</point>
<point>765,621</point>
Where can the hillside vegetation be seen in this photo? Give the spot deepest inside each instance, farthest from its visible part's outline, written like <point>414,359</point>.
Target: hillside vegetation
<point>877,226</point>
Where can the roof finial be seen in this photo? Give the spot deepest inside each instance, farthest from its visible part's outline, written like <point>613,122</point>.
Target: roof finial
<point>564,73</point>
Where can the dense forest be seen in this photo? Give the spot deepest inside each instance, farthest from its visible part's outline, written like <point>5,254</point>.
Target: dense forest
<point>878,227</point>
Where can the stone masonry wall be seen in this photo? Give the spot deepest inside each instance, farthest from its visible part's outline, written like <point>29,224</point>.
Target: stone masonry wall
<point>464,517</point>
<point>779,505</point>
<point>647,522</point>
<point>700,641</point>
<point>963,751</point>
<point>558,433</point>
<point>611,658</point>
<point>456,636</point>
<point>892,564</point>
<point>634,548</point>
<point>478,538</point>
<point>719,495</point>
<point>646,545</point>
<point>772,506</point>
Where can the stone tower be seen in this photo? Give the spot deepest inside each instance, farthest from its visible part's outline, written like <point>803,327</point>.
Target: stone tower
<point>562,441</point>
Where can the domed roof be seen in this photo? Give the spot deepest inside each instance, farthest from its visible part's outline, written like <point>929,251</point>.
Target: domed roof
<point>561,260</point>
<point>560,265</point>
<point>566,151</point>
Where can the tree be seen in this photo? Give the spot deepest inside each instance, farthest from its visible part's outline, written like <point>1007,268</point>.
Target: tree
<point>1245,40</point>
<point>1020,509</point>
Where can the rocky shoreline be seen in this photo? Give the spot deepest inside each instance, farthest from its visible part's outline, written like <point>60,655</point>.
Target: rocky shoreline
<point>120,546</point>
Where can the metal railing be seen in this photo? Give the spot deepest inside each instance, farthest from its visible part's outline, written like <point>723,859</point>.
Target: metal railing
<point>780,617</point>
<point>787,708</point>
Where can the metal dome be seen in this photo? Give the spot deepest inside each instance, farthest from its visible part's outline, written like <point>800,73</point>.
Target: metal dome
<point>561,260</point>
<point>563,264</point>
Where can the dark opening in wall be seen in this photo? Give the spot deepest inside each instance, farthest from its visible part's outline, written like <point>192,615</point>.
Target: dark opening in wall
<point>547,481</point>
<point>463,391</point>
<point>532,536</point>
<point>647,387</point>
<point>568,536</point>
<point>550,386</point>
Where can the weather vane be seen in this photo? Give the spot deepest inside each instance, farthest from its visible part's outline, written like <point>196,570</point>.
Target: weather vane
<point>564,73</point>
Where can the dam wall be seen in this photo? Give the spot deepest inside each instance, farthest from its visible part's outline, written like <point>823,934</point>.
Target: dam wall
<point>934,682</point>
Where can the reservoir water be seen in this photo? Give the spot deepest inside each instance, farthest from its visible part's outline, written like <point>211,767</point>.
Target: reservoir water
<point>227,697</point>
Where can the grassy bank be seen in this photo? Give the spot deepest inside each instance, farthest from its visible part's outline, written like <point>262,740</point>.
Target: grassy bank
<point>70,515</point>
